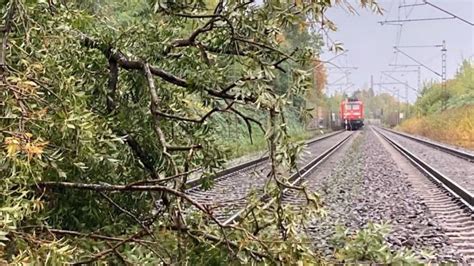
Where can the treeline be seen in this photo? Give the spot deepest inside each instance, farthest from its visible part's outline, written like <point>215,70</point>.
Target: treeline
<point>446,115</point>
<point>459,92</point>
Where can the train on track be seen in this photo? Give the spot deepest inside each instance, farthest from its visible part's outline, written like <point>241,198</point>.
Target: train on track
<point>351,114</point>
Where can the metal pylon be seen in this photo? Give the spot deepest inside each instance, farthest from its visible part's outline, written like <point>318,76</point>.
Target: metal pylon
<point>443,73</point>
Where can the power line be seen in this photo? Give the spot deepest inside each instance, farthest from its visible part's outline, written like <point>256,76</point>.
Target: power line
<point>334,83</point>
<point>400,71</point>
<point>407,14</point>
<point>401,82</point>
<point>419,46</point>
<point>418,62</point>
<point>411,5</point>
<point>414,20</point>
<point>418,71</point>
<point>449,13</point>
<point>426,2</point>
<point>395,65</point>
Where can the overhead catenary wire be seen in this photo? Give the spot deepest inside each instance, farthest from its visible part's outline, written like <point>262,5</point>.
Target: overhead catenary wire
<point>418,62</point>
<point>449,13</point>
<point>407,14</point>
<point>424,3</point>
<point>401,82</point>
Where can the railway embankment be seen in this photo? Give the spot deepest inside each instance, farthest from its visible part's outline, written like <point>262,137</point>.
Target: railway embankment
<point>452,126</point>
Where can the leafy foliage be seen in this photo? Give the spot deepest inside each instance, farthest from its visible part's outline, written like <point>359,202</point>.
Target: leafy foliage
<point>459,92</point>
<point>369,244</point>
<point>453,125</point>
<point>107,106</point>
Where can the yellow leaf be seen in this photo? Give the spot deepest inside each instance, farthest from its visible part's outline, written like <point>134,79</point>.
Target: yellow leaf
<point>302,26</point>
<point>280,38</point>
<point>30,83</point>
<point>35,149</point>
<point>12,146</point>
<point>38,67</point>
<point>41,113</point>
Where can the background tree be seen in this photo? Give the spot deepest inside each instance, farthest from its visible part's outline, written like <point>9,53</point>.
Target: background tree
<point>451,125</point>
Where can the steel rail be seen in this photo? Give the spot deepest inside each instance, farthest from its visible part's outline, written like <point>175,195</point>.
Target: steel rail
<point>194,183</point>
<point>295,178</point>
<point>457,191</point>
<point>459,153</point>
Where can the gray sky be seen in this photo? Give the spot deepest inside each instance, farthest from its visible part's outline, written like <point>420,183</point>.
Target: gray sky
<point>370,45</point>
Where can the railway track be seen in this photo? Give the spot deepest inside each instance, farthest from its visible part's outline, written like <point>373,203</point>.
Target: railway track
<point>233,185</point>
<point>251,164</point>
<point>451,150</point>
<point>450,200</point>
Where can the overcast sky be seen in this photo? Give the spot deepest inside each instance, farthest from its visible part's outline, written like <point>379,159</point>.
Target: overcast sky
<point>370,45</point>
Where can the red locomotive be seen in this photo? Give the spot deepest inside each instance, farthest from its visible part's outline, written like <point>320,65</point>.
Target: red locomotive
<point>351,114</point>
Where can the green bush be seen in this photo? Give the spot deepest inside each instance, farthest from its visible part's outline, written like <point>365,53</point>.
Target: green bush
<point>459,92</point>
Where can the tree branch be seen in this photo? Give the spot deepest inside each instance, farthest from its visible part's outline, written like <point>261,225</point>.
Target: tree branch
<point>217,240</point>
<point>129,64</point>
<point>129,214</point>
<point>123,188</point>
<point>120,256</point>
<point>143,156</point>
<point>112,84</point>
<point>262,46</point>
<point>192,39</point>
<point>225,51</point>
<point>88,235</point>
<point>6,30</point>
<point>247,121</point>
<point>277,63</point>
<point>108,251</point>
<point>155,103</point>
<point>235,83</point>
<point>255,254</point>
<point>163,180</point>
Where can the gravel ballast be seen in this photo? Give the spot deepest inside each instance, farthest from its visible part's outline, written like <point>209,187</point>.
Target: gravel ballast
<point>459,170</point>
<point>361,183</point>
<point>229,192</point>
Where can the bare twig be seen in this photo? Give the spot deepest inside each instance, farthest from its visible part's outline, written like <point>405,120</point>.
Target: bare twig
<point>120,256</point>
<point>108,251</point>
<point>80,234</point>
<point>163,180</point>
<point>6,30</point>
<point>247,121</point>
<point>124,188</point>
<point>155,103</point>
<point>262,45</point>
<point>129,214</point>
<point>235,83</point>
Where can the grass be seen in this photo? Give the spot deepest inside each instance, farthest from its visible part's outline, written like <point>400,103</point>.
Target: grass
<point>453,126</point>
<point>241,144</point>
